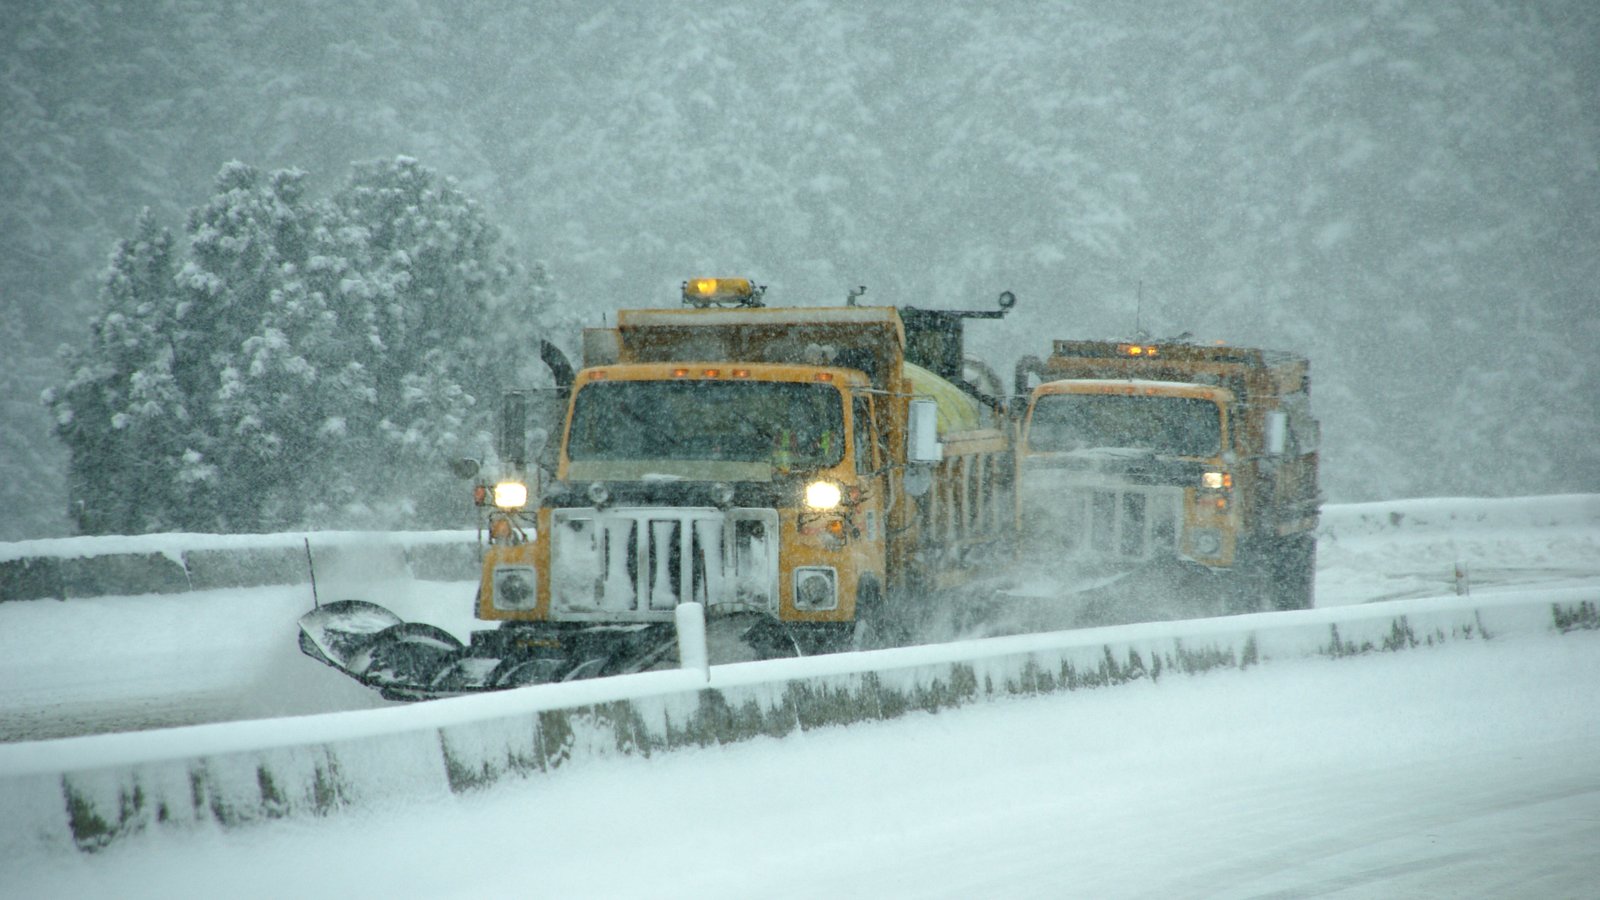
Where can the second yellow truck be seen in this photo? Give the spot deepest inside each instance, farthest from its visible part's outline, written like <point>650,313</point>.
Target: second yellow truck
<point>1172,458</point>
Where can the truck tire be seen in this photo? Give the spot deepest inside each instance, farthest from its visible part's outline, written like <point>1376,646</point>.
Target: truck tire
<point>876,626</point>
<point>1294,572</point>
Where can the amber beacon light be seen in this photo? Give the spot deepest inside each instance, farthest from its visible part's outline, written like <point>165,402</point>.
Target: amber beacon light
<point>703,292</point>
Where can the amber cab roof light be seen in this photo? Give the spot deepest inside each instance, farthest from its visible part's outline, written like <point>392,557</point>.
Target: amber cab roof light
<point>703,292</point>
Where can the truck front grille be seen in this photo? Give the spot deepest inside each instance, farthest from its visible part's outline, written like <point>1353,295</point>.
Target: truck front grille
<point>638,564</point>
<point>1128,524</point>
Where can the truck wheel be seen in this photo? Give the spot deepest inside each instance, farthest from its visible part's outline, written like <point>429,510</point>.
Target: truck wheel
<point>875,627</point>
<point>1293,572</point>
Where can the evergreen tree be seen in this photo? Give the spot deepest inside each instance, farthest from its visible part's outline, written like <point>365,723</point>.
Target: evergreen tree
<point>120,414</point>
<point>309,364</point>
<point>412,267</point>
<point>233,355</point>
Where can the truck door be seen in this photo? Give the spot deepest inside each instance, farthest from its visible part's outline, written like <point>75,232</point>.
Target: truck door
<point>869,477</point>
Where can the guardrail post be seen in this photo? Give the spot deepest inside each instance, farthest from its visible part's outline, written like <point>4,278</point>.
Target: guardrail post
<point>692,654</point>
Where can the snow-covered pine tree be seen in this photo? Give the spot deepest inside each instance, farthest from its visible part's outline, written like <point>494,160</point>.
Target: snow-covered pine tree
<point>310,364</point>
<point>423,295</point>
<point>120,414</point>
<point>234,358</point>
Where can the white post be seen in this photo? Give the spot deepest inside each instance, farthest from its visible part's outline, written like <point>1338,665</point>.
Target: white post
<point>692,654</point>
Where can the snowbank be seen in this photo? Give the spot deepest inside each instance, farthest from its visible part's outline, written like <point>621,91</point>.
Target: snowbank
<point>1420,548</point>
<point>1436,516</point>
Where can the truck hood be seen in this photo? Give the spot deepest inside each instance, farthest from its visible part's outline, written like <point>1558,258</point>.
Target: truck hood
<point>666,470</point>
<point>669,492</point>
<point>1131,465</point>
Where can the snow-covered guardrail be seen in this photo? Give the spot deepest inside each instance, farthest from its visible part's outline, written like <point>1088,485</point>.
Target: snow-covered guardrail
<point>91,791</point>
<point>78,567</point>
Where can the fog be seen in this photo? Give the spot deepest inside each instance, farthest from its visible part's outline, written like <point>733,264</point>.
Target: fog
<point>1409,194</point>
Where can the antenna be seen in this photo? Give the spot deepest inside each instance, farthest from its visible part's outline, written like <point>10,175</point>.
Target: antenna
<point>1138,311</point>
<point>311,566</point>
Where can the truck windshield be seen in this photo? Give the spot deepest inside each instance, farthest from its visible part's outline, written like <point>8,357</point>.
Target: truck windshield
<point>786,424</point>
<point>1171,426</point>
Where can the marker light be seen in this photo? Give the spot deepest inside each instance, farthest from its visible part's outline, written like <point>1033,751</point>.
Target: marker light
<point>1138,349</point>
<point>510,495</point>
<point>822,495</point>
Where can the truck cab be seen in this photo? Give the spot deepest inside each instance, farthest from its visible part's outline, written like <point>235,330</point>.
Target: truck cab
<point>1139,456</point>
<point>1130,471</point>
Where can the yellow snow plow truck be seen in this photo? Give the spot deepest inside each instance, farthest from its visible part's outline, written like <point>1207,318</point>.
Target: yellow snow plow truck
<point>808,475</point>
<point>1186,472</point>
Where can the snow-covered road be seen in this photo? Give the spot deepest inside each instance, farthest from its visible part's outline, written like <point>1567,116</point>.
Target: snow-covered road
<point>1462,770</point>
<point>124,663</point>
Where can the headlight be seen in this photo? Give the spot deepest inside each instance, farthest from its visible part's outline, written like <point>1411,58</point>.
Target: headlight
<point>1216,481</point>
<point>1205,542</point>
<point>515,587</point>
<point>599,494</point>
<point>722,494</point>
<point>510,495</point>
<point>815,588</point>
<point>822,495</point>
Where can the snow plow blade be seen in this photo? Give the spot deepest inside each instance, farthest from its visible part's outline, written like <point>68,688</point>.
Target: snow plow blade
<point>418,661</point>
<point>342,631</point>
<point>403,660</point>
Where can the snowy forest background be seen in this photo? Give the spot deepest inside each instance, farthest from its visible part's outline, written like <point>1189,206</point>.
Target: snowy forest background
<point>1408,193</point>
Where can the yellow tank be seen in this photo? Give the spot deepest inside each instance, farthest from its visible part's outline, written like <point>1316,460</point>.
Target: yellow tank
<point>957,410</point>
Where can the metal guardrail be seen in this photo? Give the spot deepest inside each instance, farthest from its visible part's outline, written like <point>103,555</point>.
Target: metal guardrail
<point>72,568</point>
<point>88,792</point>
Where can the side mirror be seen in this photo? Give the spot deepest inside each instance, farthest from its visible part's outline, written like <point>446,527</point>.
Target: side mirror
<point>922,433</point>
<point>1277,435</point>
<point>513,443</point>
<point>465,467</point>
